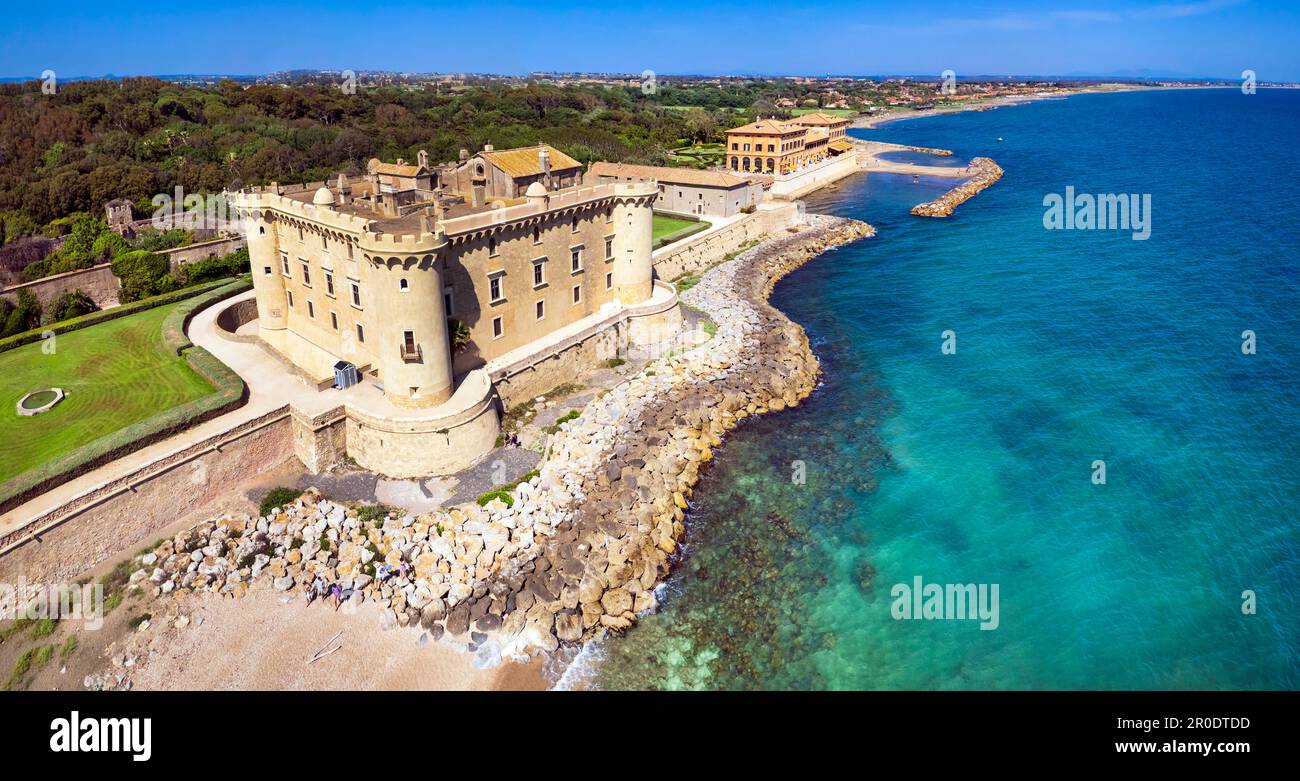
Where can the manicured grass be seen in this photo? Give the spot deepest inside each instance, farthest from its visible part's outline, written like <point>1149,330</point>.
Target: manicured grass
<point>113,374</point>
<point>662,227</point>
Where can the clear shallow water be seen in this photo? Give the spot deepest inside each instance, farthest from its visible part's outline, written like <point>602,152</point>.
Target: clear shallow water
<point>975,468</point>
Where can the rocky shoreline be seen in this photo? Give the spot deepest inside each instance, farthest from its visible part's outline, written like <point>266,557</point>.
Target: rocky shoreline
<point>987,172</point>
<point>581,547</point>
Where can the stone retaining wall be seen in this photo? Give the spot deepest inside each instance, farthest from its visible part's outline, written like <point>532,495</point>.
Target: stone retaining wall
<point>711,248</point>
<point>98,282</point>
<point>128,513</point>
<point>987,172</point>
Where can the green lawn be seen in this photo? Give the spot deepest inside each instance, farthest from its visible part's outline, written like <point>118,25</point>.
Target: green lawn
<point>114,374</point>
<point>664,225</point>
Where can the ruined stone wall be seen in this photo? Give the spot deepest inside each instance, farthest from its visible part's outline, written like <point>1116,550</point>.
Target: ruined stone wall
<point>128,513</point>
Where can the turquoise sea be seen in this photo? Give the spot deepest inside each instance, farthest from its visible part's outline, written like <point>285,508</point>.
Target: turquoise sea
<point>977,467</point>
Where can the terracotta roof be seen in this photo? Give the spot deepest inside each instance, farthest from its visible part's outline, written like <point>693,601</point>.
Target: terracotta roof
<point>377,166</point>
<point>524,161</point>
<point>816,135</point>
<point>766,127</point>
<point>687,176</point>
<point>820,118</point>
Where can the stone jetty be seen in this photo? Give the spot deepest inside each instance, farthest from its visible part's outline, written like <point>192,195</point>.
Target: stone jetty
<point>986,173</point>
<point>581,547</point>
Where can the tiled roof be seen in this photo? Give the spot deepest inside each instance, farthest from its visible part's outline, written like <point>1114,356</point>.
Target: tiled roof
<point>524,161</point>
<point>687,176</point>
<point>765,127</point>
<point>376,166</point>
<point>820,118</point>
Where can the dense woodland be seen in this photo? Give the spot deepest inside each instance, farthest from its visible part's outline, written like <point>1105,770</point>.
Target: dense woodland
<point>94,141</point>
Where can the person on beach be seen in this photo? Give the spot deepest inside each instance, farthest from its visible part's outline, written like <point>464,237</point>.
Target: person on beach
<point>336,595</point>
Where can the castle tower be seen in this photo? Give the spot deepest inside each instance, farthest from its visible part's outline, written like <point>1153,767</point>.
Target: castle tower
<point>413,351</point>
<point>265,264</point>
<point>633,241</point>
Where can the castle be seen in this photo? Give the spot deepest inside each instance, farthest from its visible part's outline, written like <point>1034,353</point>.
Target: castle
<point>411,284</point>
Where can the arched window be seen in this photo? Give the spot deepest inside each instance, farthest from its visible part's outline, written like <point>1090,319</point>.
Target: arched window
<point>403,285</point>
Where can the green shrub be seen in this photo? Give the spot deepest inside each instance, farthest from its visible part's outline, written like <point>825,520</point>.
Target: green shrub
<point>45,627</point>
<point>143,274</point>
<point>69,646</point>
<point>136,621</point>
<point>375,513</point>
<point>108,246</point>
<point>20,317</point>
<point>209,269</point>
<point>72,303</point>
<point>614,363</point>
<point>278,497</point>
<point>497,494</point>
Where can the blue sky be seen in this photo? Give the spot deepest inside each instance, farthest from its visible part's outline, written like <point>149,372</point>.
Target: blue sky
<point>1217,38</point>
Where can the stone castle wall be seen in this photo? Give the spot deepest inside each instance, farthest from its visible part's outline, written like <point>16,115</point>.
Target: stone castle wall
<point>129,513</point>
<point>710,248</point>
<point>98,282</point>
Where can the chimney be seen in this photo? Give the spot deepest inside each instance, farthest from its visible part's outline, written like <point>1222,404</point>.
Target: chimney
<point>544,158</point>
<point>464,155</point>
<point>343,189</point>
<point>489,148</point>
<point>423,159</point>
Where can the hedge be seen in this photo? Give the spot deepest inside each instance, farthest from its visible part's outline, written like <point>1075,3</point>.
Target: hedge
<point>230,394</point>
<point>27,337</point>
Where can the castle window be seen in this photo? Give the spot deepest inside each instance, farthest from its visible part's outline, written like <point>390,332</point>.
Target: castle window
<point>301,237</point>
<point>574,224</point>
<point>575,259</point>
<point>356,295</point>
<point>447,301</point>
<point>284,263</point>
<point>409,349</point>
<point>609,248</point>
<point>609,281</point>
<point>306,274</point>
<point>361,333</point>
<point>609,214</point>
<point>349,250</point>
<point>403,285</point>
<point>539,272</point>
<point>537,235</point>
<point>334,320</point>
<point>311,309</point>
<point>329,284</point>
<point>498,328</point>
<point>496,292</point>
<point>289,293</point>
<point>541,309</point>
<point>577,294</point>
<point>266,270</point>
<point>492,248</point>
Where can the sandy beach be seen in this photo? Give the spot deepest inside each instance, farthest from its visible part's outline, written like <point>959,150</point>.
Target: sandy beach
<point>257,643</point>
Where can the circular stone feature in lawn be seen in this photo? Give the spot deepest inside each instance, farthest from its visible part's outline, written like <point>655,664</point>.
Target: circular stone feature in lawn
<point>39,401</point>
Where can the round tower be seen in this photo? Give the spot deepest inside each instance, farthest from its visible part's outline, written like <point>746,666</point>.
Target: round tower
<point>413,351</point>
<point>633,241</point>
<point>268,277</point>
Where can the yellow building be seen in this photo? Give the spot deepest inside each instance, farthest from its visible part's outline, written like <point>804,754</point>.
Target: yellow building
<point>772,146</point>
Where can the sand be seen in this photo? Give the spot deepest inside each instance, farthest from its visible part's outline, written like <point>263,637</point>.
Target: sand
<point>257,643</point>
